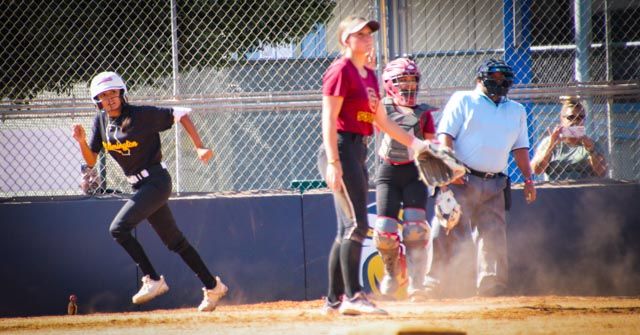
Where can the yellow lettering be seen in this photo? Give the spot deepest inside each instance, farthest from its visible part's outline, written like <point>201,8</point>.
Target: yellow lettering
<point>122,148</point>
<point>364,117</point>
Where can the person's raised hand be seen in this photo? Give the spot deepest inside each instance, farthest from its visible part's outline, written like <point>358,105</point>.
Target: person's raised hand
<point>554,135</point>
<point>78,133</point>
<point>204,154</point>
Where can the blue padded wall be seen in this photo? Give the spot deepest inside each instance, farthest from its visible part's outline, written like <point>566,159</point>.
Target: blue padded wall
<point>573,240</point>
<point>576,240</point>
<point>54,249</point>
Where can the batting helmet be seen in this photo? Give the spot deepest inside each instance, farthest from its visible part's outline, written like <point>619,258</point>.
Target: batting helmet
<point>401,81</point>
<point>493,87</point>
<point>105,81</point>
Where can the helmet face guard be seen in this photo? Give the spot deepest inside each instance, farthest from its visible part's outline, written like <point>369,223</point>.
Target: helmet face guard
<point>401,81</point>
<point>405,90</point>
<point>493,87</point>
<point>106,81</point>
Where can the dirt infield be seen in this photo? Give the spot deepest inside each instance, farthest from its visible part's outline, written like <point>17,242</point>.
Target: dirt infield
<point>506,315</point>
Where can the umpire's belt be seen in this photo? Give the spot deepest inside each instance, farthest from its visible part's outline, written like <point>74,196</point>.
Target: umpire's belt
<point>135,178</point>
<point>484,175</point>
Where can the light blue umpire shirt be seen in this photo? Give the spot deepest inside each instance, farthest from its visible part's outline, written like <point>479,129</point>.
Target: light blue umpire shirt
<point>484,133</point>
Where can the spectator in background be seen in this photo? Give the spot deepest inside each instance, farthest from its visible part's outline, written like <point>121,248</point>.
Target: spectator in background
<point>567,152</point>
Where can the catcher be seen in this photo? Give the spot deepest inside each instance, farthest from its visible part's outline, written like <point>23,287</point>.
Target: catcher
<point>398,184</point>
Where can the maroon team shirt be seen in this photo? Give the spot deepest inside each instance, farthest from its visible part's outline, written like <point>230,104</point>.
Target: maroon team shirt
<point>426,122</point>
<point>361,96</point>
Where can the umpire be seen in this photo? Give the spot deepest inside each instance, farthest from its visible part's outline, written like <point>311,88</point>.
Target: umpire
<point>483,126</point>
<point>130,134</point>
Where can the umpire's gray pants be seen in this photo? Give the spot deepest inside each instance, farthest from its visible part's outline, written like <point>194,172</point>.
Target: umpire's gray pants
<point>481,231</point>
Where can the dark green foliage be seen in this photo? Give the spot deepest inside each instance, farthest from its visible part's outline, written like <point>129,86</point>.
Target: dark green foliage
<point>50,45</point>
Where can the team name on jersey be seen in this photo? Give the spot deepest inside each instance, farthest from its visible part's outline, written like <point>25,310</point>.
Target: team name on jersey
<point>364,117</point>
<point>120,147</point>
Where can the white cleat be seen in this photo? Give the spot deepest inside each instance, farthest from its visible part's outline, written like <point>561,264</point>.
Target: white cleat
<point>211,297</point>
<point>389,285</point>
<point>329,308</point>
<point>359,304</point>
<point>150,289</point>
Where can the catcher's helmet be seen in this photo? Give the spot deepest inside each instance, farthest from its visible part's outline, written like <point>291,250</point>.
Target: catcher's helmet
<point>492,66</point>
<point>105,81</point>
<point>398,71</point>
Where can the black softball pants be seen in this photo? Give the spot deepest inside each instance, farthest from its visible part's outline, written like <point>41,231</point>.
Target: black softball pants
<point>150,201</point>
<point>396,186</point>
<point>351,213</point>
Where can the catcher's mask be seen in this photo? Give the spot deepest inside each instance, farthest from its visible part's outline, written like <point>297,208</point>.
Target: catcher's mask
<point>106,81</point>
<point>495,88</point>
<point>401,81</point>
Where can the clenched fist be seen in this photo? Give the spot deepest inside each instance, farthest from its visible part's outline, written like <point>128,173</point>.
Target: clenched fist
<point>205,154</point>
<point>78,133</point>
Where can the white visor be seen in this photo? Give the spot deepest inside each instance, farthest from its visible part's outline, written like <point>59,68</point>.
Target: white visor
<point>372,24</point>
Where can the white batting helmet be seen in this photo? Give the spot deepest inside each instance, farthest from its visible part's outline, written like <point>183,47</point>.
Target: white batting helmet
<point>105,81</point>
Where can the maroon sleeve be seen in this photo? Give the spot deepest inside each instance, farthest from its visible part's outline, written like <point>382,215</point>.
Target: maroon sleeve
<point>372,73</point>
<point>426,123</point>
<point>334,81</point>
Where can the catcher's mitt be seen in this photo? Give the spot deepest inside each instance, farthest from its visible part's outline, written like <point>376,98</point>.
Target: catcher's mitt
<point>437,165</point>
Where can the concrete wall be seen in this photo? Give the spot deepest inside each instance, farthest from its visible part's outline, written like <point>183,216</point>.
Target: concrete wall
<point>574,240</point>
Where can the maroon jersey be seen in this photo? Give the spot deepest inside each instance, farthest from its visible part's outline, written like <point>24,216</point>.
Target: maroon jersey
<point>361,96</point>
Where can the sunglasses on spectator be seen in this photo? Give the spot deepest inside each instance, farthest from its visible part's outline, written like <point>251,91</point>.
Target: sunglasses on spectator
<point>572,117</point>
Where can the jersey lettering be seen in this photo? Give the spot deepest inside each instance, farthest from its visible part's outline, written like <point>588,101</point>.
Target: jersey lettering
<point>364,117</point>
<point>123,149</point>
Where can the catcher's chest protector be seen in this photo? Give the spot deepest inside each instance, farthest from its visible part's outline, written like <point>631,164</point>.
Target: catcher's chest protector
<point>391,149</point>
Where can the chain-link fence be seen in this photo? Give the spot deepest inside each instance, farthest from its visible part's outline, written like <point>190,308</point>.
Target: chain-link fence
<point>578,48</point>
<point>252,70</point>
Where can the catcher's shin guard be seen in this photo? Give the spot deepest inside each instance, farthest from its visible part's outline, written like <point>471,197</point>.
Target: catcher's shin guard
<point>415,235</point>
<point>387,241</point>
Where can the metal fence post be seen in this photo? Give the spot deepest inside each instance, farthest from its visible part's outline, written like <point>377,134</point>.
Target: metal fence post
<point>607,29</point>
<point>176,91</point>
<point>517,53</point>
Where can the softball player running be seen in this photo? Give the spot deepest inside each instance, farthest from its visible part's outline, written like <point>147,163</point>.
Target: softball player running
<point>350,106</point>
<point>130,134</point>
<point>398,185</point>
